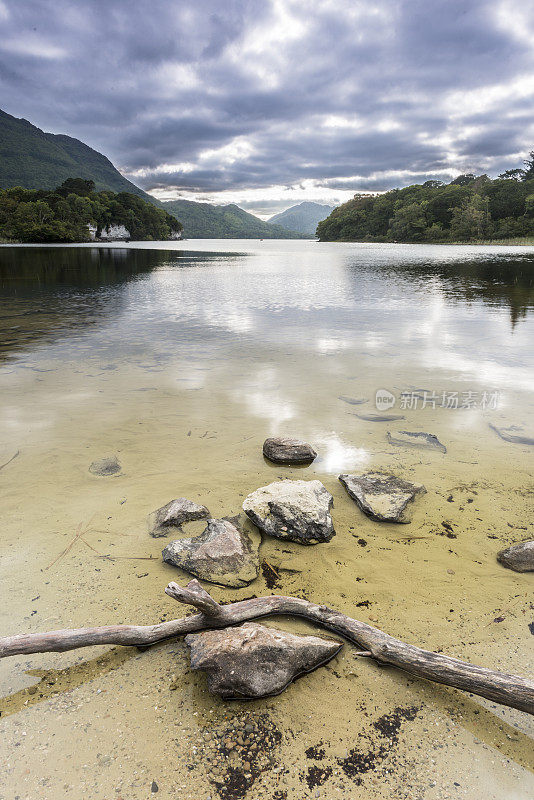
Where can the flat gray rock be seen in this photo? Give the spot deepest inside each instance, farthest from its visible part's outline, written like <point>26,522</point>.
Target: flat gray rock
<point>425,441</point>
<point>253,661</point>
<point>294,510</point>
<point>517,434</point>
<point>285,450</point>
<point>383,497</point>
<point>174,514</point>
<point>222,554</point>
<point>106,466</point>
<point>519,557</point>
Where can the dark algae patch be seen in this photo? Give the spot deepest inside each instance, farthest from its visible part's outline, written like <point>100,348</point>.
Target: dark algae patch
<point>317,776</point>
<point>316,752</point>
<point>358,762</point>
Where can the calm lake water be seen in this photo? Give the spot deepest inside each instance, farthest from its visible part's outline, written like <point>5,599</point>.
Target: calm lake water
<point>180,359</point>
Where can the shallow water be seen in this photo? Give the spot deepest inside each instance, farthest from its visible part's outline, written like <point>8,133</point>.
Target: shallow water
<point>181,359</point>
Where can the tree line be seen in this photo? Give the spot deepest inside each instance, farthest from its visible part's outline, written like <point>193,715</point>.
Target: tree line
<point>65,214</point>
<point>470,208</point>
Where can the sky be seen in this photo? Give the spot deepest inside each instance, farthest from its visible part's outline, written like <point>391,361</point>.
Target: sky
<point>271,102</point>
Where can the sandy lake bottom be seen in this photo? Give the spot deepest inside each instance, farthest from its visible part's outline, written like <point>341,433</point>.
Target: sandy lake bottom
<point>181,362</point>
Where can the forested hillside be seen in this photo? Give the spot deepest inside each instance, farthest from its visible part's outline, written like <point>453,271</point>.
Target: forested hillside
<point>63,215</point>
<point>470,208</point>
<point>33,159</point>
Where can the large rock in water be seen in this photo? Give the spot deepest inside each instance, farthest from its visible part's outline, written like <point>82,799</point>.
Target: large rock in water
<point>519,557</point>
<point>254,661</point>
<point>222,554</point>
<point>285,450</point>
<point>383,497</point>
<point>174,514</point>
<point>295,510</point>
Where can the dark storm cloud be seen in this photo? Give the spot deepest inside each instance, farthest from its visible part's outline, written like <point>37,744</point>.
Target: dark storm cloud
<point>210,96</point>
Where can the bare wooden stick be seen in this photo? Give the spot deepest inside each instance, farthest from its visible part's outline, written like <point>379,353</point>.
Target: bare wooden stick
<point>10,460</point>
<point>506,689</point>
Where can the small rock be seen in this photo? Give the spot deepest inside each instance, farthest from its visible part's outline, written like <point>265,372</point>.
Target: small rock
<point>174,514</point>
<point>285,450</point>
<point>222,554</point>
<point>519,557</point>
<point>379,417</point>
<point>294,510</point>
<point>352,401</point>
<point>254,661</point>
<point>514,434</point>
<point>383,497</point>
<point>105,466</point>
<point>426,441</point>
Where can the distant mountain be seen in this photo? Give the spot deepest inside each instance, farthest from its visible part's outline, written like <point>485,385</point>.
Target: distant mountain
<point>204,221</point>
<point>303,218</point>
<point>36,160</point>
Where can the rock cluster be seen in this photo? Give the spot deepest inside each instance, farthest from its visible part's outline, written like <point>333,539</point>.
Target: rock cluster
<point>253,661</point>
<point>294,510</point>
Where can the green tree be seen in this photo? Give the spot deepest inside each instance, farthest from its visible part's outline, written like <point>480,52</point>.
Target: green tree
<point>472,220</point>
<point>408,223</point>
<point>528,172</point>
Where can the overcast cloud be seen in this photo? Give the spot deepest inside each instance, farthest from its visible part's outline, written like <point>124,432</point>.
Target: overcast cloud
<point>269,102</point>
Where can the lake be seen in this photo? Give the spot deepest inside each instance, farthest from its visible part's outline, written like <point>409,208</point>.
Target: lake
<point>180,359</point>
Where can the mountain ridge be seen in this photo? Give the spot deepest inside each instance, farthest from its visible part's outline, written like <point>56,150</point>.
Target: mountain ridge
<point>302,218</point>
<point>205,221</point>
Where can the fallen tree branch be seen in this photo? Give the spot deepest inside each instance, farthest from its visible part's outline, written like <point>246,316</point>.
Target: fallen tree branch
<point>506,689</point>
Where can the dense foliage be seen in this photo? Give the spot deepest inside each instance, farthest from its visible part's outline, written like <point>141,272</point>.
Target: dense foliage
<point>204,221</point>
<point>470,208</point>
<point>63,215</point>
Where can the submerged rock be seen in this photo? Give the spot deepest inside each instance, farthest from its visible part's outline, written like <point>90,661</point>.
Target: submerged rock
<point>295,510</point>
<point>427,441</point>
<point>175,514</point>
<point>519,557</point>
<point>352,401</point>
<point>514,434</point>
<point>106,466</point>
<point>222,554</point>
<point>383,497</point>
<point>285,450</point>
<point>379,417</point>
<point>253,661</point>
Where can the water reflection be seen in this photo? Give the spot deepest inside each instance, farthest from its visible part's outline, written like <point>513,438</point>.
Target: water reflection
<point>501,281</point>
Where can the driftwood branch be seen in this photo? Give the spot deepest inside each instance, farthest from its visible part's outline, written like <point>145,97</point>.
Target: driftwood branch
<point>506,689</point>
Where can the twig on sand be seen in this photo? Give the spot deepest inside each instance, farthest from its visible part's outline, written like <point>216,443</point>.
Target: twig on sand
<point>80,531</point>
<point>10,460</point>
